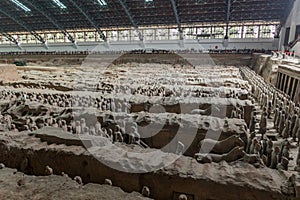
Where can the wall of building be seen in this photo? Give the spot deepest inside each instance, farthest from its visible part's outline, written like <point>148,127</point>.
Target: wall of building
<point>288,81</point>
<point>205,44</point>
<point>292,21</point>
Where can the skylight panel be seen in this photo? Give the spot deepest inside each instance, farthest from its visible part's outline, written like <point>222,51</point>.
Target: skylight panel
<point>59,4</point>
<point>22,6</point>
<point>149,3</point>
<point>102,2</point>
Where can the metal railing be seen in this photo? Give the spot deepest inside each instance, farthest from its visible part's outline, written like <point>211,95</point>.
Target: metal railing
<point>286,55</point>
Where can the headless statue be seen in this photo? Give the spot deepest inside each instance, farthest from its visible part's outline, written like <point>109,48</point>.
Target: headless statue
<point>251,158</point>
<point>235,154</point>
<point>283,165</point>
<point>222,147</point>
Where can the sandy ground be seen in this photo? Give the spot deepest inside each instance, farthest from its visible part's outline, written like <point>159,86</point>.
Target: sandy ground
<point>17,186</point>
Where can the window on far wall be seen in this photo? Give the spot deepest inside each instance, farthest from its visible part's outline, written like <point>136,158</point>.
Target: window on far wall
<point>250,31</point>
<point>267,31</point>
<point>235,32</point>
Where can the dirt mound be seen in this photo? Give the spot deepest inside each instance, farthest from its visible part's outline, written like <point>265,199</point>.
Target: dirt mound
<point>8,73</point>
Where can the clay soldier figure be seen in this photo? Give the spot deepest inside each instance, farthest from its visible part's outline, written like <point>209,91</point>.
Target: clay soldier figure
<point>285,151</point>
<point>82,124</point>
<point>257,149</point>
<point>73,126</point>
<point>281,122</point>
<point>13,128</point>
<point>182,197</point>
<point>145,191</point>
<point>286,130</point>
<point>253,145</point>
<point>274,158</point>
<point>64,125</point>
<point>49,121</point>
<point>118,137</point>
<point>54,123</point>
<point>296,127</point>
<point>240,112</point>
<point>234,113</point>
<point>283,165</point>
<point>137,137</point>
<point>131,135</point>
<point>98,128</point>
<point>269,152</point>
<point>297,168</point>
<point>264,145</point>
<point>269,109</point>
<point>265,101</point>
<point>292,107</point>
<point>92,130</point>
<point>127,108</point>
<point>119,107</point>
<point>249,142</point>
<point>263,124</point>
<point>78,128</point>
<point>277,119</point>
<point>282,147</point>
<point>293,123</point>
<point>86,130</point>
<point>113,106</point>
<point>8,120</point>
<point>298,136</point>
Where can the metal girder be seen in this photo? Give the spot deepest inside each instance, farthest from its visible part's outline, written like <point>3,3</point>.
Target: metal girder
<point>79,6</point>
<point>286,15</point>
<point>12,39</point>
<point>52,20</point>
<point>177,17</point>
<point>126,9</point>
<point>284,18</point>
<point>19,21</point>
<point>228,13</point>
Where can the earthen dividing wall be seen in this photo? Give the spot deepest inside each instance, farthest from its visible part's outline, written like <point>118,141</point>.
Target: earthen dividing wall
<point>198,181</point>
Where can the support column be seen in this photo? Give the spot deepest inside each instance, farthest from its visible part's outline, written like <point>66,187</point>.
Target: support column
<point>285,83</point>
<point>242,34</point>
<point>228,13</point>
<point>293,89</point>
<point>288,85</point>
<point>296,91</point>
<point>282,82</point>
